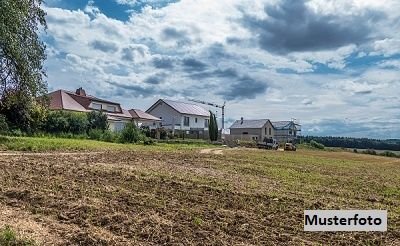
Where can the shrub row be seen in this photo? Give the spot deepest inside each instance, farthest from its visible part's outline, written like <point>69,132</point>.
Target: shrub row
<point>317,145</point>
<point>373,152</point>
<point>74,122</point>
<point>92,125</point>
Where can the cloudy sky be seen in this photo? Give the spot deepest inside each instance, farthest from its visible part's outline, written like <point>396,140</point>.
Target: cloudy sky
<point>333,65</point>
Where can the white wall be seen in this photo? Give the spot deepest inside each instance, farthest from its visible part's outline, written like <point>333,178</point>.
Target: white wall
<point>170,117</point>
<point>117,125</point>
<point>167,115</point>
<point>192,122</point>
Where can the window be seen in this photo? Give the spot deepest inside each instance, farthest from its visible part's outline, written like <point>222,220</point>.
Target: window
<point>186,121</point>
<point>111,108</point>
<point>245,133</point>
<point>265,131</point>
<point>195,120</point>
<point>96,106</point>
<point>290,132</point>
<point>206,123</point>
<point>270,131</point>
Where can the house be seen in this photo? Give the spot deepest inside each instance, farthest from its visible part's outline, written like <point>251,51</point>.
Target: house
<point>181,117</point>
<point>282,131</point>
<point>143,118</point>
<point>80,102</point>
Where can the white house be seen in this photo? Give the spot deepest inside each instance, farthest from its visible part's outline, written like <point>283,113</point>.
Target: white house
<point>181,116</point>
<point>80,102</point>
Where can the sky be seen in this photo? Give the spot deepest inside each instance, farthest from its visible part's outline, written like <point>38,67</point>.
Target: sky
<point>331,65</point>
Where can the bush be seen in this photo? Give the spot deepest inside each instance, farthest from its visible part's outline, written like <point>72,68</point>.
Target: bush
<point>131,134</point>
<point>95,134</point>
<point>97,120</point>
<point>17,133</point>
<point>389,154</point>
<point>66,122</point>
<point>369,152</point>
<point>163,134</point>
<point>146,131</point>
<point>56,122</point>
<point>77,122</point>
<point>38,117</point>
<point>109,136</point>
<point>148,141</point>
<point>16,106</point>
<point>3,124</point>
<point>317,145</point>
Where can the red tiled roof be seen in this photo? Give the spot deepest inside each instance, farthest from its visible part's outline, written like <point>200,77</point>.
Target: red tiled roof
<point>141,115</point>
<point>125,113</point>
<point>67,100</point>
<point>62,100</point>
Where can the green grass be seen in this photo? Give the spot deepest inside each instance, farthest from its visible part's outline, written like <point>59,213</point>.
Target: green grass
<point>9,238</point>
<point>40,144</point>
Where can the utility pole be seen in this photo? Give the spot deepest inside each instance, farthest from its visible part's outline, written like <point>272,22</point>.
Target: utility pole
<point>214,105</point>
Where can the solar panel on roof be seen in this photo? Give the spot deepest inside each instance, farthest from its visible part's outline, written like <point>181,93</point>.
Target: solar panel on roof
<point>187,108</point>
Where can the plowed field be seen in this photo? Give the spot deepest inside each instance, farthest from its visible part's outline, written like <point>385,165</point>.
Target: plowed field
<point>152,196</point>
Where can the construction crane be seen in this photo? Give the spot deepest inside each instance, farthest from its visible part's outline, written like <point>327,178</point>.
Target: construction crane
<point>214,105</point>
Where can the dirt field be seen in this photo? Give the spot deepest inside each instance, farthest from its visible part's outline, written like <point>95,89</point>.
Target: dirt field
<point>193,197</point>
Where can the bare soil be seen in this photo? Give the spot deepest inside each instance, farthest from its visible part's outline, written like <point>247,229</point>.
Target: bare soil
<point>193,197</point>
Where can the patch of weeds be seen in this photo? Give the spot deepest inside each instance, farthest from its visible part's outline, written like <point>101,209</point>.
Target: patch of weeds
<point>197,221</point>
<point>9,238</point>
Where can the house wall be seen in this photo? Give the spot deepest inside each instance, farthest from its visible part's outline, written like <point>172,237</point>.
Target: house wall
<point>171,119</point>
<point>104,106</point>
<point>252,132</point>
<point>168,115</point>
<point>117,126</point>
<point>192,122</point>
<point>265,131</point>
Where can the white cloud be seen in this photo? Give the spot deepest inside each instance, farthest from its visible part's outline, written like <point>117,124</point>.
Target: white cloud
<point>126,2</point>
<point>386,47</point>
<point>115,59</point>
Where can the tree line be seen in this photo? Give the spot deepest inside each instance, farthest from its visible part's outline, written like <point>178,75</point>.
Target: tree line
<point>354,143</point>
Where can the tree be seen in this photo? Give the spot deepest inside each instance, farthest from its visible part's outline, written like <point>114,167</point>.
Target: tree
<point>97,120</point>
<point>22,54</point>
<point>213,127</point>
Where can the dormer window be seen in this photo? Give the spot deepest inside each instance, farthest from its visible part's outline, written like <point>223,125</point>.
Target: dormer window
<point>96,106</point>
<point>111,108</point>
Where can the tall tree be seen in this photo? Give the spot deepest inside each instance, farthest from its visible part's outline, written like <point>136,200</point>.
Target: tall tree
<point>22,54</point>
<point>213,127</point>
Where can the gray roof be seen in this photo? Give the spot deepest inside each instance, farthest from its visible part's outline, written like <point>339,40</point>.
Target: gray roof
<point>187,108</point>
<point>249,123</point>
<point>279,125</point>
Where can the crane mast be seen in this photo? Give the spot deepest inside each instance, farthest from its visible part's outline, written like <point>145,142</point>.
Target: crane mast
<point>214,105</point>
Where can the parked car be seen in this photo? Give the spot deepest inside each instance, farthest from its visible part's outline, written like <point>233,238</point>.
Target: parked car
<point>268,143</point>
<point>290,147</point>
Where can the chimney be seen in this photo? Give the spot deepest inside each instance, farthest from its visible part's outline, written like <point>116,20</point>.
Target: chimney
<point>241,120</point>
<point>80,92</point>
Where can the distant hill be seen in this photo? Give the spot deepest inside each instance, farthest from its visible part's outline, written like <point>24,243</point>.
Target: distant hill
<point>357,143</point>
